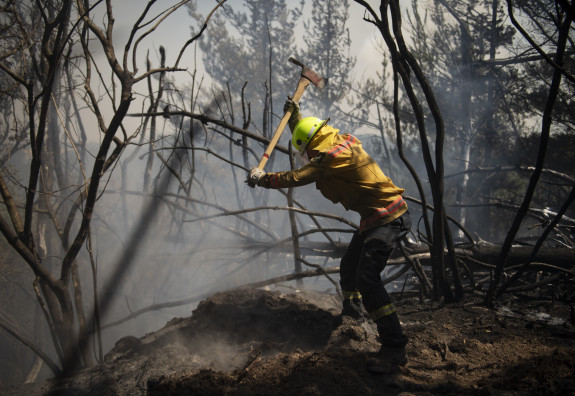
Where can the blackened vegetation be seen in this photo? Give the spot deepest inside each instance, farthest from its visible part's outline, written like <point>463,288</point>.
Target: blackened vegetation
<point>251,341</point>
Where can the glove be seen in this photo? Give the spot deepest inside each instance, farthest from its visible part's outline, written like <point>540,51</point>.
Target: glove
<point>291,104</point>
<point>255,175</point>
<point>295,115</point>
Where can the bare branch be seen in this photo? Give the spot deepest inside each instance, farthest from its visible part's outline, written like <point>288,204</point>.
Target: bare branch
<point>205,25</point>
<point>307,212</point>
<point>209,120</point>
<point>24,340</point>
<point>544,55</point>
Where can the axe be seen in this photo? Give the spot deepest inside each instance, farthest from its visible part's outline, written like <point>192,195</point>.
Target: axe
<point>307,76</point>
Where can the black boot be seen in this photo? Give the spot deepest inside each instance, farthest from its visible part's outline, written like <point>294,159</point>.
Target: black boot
<point>392,353</point>
<point>387,359</point>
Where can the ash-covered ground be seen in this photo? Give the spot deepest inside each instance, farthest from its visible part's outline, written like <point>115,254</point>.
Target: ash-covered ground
<point>257,342</point>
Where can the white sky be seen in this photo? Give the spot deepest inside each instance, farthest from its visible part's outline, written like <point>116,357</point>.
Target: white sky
<point>175,31</point>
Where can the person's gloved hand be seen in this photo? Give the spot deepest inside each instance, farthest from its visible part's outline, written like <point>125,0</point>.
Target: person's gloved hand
<point>295,114</point>
<point>255,175</point>
<point>290,104</point>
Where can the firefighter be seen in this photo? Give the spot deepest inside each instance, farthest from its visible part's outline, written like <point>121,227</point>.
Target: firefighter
<point>344,173</point>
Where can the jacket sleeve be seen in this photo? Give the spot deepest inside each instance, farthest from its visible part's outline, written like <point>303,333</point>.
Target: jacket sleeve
<point>307,174</point>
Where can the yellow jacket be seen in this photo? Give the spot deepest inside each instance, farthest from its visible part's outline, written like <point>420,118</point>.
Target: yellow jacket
<point>344,173</point>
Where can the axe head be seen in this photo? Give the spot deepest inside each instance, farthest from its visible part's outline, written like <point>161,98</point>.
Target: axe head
<point>311,75</point>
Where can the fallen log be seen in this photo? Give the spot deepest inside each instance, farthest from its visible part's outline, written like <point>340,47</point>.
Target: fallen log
<point>559,257</point>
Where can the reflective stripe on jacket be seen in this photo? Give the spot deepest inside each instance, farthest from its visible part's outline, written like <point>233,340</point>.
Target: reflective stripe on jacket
<point>344,173</point>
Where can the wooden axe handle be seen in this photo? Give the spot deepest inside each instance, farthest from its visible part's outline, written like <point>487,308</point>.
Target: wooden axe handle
<point>301,86</point>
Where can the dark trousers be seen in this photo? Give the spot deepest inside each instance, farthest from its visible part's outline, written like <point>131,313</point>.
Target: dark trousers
<point>361,267</point>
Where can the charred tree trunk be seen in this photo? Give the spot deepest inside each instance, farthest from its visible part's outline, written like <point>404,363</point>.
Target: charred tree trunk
<point>545,131</point>
<point>404,63</point>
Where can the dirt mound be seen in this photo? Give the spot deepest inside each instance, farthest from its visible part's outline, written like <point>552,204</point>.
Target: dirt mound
<point>251,341</point>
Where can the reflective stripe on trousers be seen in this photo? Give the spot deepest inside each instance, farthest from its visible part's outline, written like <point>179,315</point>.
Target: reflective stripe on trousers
<point>351,295</point>
<point>382,311</point>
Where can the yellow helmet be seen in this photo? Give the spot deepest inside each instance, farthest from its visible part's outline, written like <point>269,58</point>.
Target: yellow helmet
<point>305,130</point>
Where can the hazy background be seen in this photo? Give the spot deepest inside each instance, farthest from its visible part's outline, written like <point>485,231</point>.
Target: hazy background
<point>191,241</point>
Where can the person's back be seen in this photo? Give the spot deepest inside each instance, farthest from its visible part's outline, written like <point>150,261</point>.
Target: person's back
<point>355,180</point>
